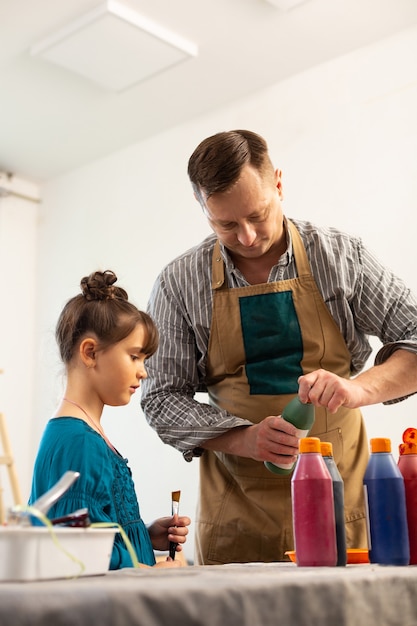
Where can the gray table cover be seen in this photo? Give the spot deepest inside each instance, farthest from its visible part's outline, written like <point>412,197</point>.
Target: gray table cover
<point>241,595</point>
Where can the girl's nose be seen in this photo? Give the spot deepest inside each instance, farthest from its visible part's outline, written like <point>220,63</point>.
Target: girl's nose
<point>141,371</point>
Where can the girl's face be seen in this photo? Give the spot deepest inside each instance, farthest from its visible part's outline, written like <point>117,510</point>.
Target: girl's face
<point>120,368</point>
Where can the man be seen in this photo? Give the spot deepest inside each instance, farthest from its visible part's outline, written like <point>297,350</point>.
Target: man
<point>263,309</point>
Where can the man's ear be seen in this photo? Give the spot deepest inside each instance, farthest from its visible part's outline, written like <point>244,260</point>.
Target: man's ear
<point>278,182</point>
<point>88,348</point>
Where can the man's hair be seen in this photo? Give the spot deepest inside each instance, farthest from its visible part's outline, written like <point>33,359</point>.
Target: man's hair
<point>217,162</point>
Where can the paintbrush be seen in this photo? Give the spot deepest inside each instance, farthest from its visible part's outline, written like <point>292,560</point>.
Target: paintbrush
<point>175,509</point>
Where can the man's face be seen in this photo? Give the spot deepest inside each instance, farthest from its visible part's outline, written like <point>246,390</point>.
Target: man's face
<point>248,218</point>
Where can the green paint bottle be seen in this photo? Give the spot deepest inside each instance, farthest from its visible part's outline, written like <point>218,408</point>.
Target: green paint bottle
<point>302,416</point>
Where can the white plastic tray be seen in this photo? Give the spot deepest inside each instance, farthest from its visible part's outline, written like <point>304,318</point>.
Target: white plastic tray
<point>30,553</point>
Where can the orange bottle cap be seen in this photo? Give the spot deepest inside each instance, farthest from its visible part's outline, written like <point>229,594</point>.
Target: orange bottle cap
<point>309,444</point>
<point>380,444</point>
<point>326,448</point>
<point>410,435</point>
<point>408,448</point>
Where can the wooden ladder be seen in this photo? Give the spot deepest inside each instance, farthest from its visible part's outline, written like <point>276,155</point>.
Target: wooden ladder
<point>7,459</point>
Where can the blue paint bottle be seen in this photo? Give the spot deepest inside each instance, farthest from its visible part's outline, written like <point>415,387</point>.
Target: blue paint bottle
<point>386,507</point>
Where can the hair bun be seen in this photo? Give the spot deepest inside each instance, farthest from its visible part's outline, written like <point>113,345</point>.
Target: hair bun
<point>99,286</point>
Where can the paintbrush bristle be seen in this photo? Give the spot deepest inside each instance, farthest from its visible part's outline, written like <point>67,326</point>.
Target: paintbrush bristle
<point>176,496</point>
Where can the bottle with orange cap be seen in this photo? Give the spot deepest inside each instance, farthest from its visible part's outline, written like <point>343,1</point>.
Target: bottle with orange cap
<point>339,500</point>
<point>385,500</point>
<point>312,507</point>
<point>407,464</point>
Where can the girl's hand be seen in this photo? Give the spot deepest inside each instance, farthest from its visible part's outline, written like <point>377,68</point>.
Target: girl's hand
<point>169,563</point>
<point>166,529</point>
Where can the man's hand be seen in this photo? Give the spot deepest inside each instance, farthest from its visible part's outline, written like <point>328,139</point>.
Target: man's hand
<point>323,388</point>
<point>395,378</point>
<point>272,440</point>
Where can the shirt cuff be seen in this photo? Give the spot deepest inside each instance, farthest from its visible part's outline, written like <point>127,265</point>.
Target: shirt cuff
<point>189,455</point>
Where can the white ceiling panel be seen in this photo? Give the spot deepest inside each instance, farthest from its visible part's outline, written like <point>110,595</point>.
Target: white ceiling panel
<point>113,83</point>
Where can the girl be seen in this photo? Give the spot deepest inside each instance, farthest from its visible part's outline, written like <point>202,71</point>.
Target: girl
<point>103,341</point>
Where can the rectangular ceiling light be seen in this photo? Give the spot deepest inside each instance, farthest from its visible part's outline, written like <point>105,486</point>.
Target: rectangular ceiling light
<point>115,47</point>
<point>286,5</point>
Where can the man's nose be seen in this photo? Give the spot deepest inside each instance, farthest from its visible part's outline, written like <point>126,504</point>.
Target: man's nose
<point>246,234</point>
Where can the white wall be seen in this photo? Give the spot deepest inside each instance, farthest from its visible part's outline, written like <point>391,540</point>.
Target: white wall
<point>18,253</point>
<point>344,135</point>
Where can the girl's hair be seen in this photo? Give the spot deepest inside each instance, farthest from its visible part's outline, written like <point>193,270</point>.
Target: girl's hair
<point>104,310</point>
<point>217,162</point>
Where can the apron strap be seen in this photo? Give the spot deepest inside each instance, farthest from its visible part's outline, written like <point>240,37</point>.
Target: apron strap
<point>217,266</point>
<point>299,251</point>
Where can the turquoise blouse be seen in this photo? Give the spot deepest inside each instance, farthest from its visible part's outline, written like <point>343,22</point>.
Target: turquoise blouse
<point>105,486</point>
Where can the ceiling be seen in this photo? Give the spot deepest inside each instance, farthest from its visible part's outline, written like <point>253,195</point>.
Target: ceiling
<point>53,120</point>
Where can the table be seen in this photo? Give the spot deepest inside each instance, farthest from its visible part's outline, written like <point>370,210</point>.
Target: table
<point>253,594</point>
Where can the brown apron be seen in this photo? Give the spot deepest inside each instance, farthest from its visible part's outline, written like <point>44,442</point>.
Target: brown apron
<point>262,338</point>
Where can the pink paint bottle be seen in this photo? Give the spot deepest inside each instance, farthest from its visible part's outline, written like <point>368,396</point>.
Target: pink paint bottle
<point>313,508</point>
<point>407,464</point>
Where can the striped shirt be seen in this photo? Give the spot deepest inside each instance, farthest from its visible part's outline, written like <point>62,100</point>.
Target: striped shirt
<point>364,297</point>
